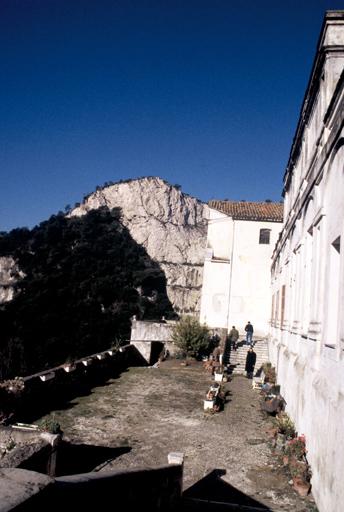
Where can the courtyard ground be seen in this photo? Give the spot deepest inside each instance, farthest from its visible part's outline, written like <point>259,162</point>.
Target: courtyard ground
<point>149,412</point>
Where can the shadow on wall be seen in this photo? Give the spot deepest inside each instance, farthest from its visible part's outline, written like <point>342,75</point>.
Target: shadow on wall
<point>213,490</point>
<point>85,277</point>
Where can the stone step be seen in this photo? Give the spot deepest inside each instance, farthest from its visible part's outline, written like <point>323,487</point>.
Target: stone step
<point>238,357</point>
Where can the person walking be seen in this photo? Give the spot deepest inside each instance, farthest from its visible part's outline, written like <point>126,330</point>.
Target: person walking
<point>249,333</point>
<point>251,358</point>
<point>233,337</point>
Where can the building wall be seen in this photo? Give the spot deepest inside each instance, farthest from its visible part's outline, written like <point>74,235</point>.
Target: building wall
<point>307,321</point>
<point>216,272</point>
<point>250,293</point>
<point>236,277</point>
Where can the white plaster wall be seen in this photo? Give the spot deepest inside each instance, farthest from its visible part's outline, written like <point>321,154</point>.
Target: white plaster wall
<point>308,349</point>
<point>220,234</point>
<point>313,387</point>
<point>144,348</point>
<point>314,135</point>
<point>215,294</point>
<point>236,279</point>
<point>250,293</point>
<point>216,272</point>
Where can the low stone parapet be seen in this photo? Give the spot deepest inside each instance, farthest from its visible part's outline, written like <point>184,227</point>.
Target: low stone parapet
<point>155,489</point>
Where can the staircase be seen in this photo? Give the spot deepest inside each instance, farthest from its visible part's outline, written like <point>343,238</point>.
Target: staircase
<point>237,358</point>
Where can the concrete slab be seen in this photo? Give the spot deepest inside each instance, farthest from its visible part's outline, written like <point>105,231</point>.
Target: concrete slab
<point>18,485</point>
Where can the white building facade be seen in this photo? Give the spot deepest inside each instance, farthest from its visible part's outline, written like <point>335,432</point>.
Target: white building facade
<point>236,277</point>
<point>307,322</point>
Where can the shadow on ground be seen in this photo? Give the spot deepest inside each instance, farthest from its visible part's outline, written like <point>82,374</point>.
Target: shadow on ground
<point>212,493</point>
<point>73,459</point>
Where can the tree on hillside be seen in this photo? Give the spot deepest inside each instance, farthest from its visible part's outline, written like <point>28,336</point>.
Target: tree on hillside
<point>82,276</point>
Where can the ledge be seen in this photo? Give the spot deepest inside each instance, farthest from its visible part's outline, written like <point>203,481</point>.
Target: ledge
<point>19,485</point>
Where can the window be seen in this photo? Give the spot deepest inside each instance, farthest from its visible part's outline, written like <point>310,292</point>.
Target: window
<point>336,244</point>
<point>264,236</point>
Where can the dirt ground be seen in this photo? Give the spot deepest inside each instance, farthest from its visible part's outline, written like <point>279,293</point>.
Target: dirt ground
<point>149,412</point>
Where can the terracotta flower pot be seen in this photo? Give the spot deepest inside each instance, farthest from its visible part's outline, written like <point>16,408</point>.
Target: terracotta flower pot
<point>285,460</point>
<point>301,486</point>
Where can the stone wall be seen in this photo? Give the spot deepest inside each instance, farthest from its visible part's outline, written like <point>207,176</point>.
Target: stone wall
<point>43,391</point>
<point>142,333</point>
<point>155,489</point>
<point>151,331</point>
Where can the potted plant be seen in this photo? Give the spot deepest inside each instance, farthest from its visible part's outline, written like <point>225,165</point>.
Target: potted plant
<point>209,402</point>
<point>284,425</point>
<point>296,447</point>
<point>285,429</point>
<point>50,425</point>
<point>218,374</point>
<point>300,476</point>
<point>298,467</point>
<point>270,375</point>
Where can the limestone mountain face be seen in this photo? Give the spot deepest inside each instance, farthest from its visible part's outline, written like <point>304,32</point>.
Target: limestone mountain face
<point>9,276</point>
<point>169,224</point>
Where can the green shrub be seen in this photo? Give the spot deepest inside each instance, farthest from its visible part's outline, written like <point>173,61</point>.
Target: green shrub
<point>284,424</point>
<point>50,425</point>
<point>190,336</point>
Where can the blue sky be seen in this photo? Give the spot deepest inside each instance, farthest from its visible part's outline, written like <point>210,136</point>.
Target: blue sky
<point>205,94</point>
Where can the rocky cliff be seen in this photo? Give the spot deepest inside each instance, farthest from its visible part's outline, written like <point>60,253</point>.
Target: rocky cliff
<point>169,224</point>
<point>9,276</point>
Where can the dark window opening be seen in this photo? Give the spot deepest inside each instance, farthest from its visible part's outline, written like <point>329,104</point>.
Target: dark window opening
<point>336,244</point>
<point>264,236</point>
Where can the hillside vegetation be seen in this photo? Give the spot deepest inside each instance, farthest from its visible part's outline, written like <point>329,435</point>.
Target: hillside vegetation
<point>84,279</point>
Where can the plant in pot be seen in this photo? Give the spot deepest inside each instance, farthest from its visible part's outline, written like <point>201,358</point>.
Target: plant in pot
<point>50,425</point>
<point>296,447</point>
<point>301,477</point>
<point>284,430</point>
<point>285,425</point>
<point>270,375</point>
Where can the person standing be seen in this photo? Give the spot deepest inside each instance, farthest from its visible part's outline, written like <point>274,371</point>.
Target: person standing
<point>227,350</point>
<point>233,337</point>
<point>249,333</point>
<point>250,362</point>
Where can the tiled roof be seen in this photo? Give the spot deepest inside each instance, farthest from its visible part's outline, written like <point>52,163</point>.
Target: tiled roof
<point>244,210</point>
